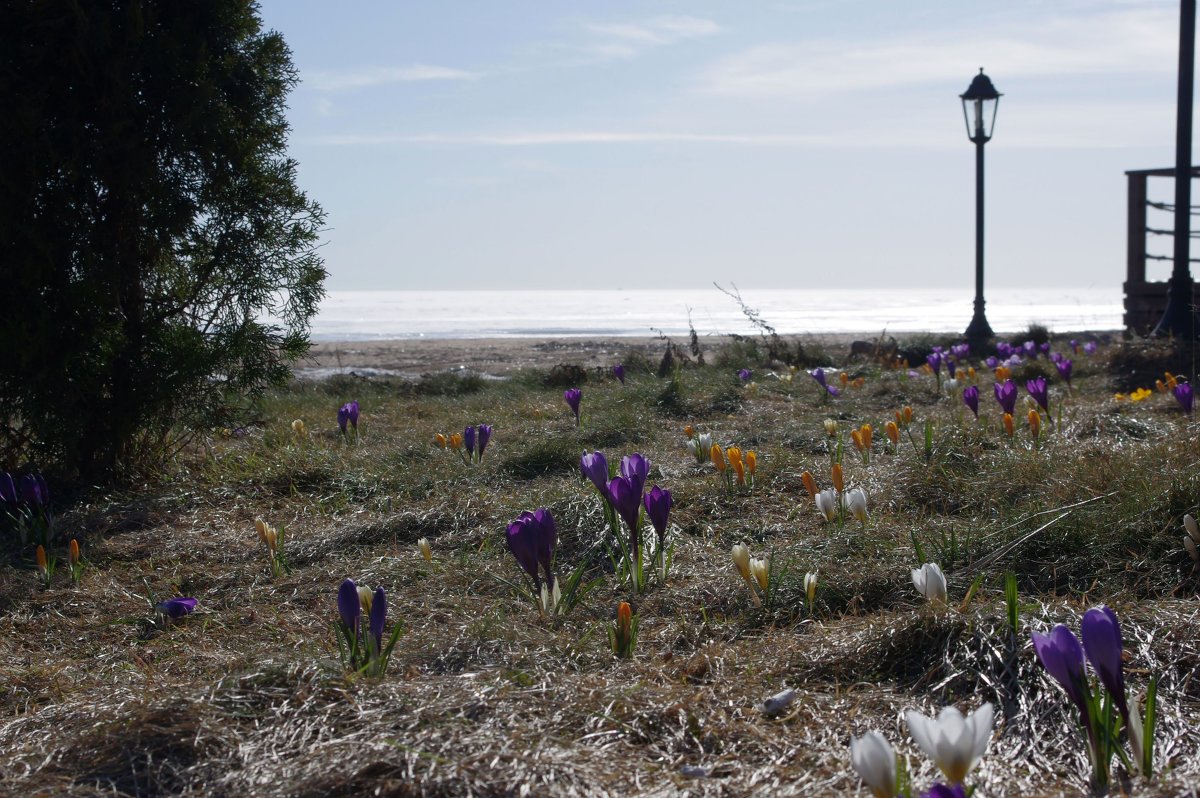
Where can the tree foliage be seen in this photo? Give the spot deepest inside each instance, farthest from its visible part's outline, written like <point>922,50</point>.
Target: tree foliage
<point>158,258</point>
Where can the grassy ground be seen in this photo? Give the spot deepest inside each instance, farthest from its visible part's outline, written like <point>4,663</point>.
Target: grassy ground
<point>484,697</point>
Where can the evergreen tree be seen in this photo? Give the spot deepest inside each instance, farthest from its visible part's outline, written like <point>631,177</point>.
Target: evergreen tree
<point>157,264</point>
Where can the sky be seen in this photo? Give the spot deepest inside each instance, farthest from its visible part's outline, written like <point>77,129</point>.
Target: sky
<point>526,144</point>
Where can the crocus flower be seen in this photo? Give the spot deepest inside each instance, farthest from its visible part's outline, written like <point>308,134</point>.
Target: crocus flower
<point>1006,395</point>
<point>636,468</point>
<point>827,503</point>
<point>1090,348</point>
<point>619,372</point>
<point>831,427</point>
<point>34,491</point>
<point>992,361</point>
<point>1102,643</point>
<point>934,359</point>
<point>1030,349</point>
<point>810,484</point>
<point>930,582</point>
<point>838,478</point>
<point>856,503</point>
<point>761,569</point>
<point>740,554</point>
<point>658,509</point>
<point>718,457</point>
<point>594,468</point>
<point>1035,423</point>
<point>810,586</point>
<point>572,396</point>
<point>735,462</point>
<point>626,498</point>
<point>348,413</point>
<point>522,542</point>
<point>951,367</point>
<point>484,434</point>
<point>961,350</point>
<point>945,791</point>
<point>1074,346</point>
<point>818,374</point>
<point>1008,424</point>
<point>469,441</point>
<point>425,549</point>
<point>893,431</point>
<point>176,608</point>
<point>298,428</point>
<point>73,554</point>
<point>456,441</point>
<point>971,398</point>
<point>439,440</point>
<point>1185,396</point>
<point>745,374</point>
<point>1062,656</point>
<point>377,617</point>
<point>875,763</point>
<point>1004,348</point>
<point>751,463</point>
<point>40,556</point>
<point>1064,369</point>
<point>349,606</point>
<point>1039,391</point>
<point>954,743</point>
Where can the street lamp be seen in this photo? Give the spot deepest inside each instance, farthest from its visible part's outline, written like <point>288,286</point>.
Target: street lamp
<point>979,111</point>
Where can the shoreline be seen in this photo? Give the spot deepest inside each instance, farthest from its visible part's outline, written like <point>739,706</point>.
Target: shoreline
<point>499,357</point>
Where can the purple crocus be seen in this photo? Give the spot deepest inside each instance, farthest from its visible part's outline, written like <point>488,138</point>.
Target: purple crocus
<point>348,413</point>
<point>1102,643</point>
<point>469,442</point>
<point>951,366</point>
<point>34,491</point>
<point>8,488</point>
<point>934,359</point>
<point>971,399</point>
<point>1004,348</point>
<point>349,606</point>
<point>573,397</point>
<point>1090,348</point>
<point>594,467</point>
<point>523,541</point>
<point>1064,369</point>
<point>377,617</point>
<point>745,374</point>
<point>1006,395</point>
<point>619,372</point>
<point>636,468</point>
<point>818,374</point>
<point>1186,396</point>
<point>658,509</point>
<point>175,608</point>
<point>992,361</point>
<point>1074,346</point>
<point>1062,657</point>
<point>961,350</point>
<point>940,790</point>
<point>484,434</point>
<point>1044,347</point>
<point>1030,349</point>
<point>1039,391</point>
<point>627,500</point>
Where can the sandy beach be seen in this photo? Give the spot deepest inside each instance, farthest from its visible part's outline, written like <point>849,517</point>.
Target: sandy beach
<point>501,356</point>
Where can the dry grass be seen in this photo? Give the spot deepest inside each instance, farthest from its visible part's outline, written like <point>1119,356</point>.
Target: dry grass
<point>247,697</point>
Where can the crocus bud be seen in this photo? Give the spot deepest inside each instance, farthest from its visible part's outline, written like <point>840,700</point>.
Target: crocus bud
<point>810,484</point>
<point>1190,545</point>
<point>73,552</point>
<point>831,427</point>
<point>425,549</point>
<point>867,435</point>
<point>827,503</point>
<point>844,379</point>
<point>856,439</point>
<point>439,440</point>
<point>875,763</point>
<point>271,538</point>
<point>810,586</point>
<point>930,582</point>
<point>689,431</point>
<point>735,460</point>
<point>298,427</point>
<point>365,595</point>
<point>893,433</point>
<point>1035,423</point>
<point>456,441</point>
<point>740,553</point>
<point>260,526</point>
<point>761,569</point>
<point>751,462</point>
<point>1190,526</point>
<point>856,502</point>
<point>908,414</point>
<point>838,483</point>
<point>1008,424</point>
<point>899,419</point>
<point>718,459</point>
<point>41,559</point>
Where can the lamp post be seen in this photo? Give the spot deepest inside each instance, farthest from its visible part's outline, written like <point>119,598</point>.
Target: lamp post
<point>979,111</point>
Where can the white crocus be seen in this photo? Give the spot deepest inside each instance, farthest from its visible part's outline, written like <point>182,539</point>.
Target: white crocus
<point>875,763</point>
<point>954,743</point>
<point>930,582</point>
<point>762,572</point>
<point>740,553</point>
<point>425,549</point>
<point>856,503</point>
<point>706,443</point>
<point>827,503</point>
<point>810,586</point>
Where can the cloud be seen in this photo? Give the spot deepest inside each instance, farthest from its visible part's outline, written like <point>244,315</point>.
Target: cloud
<point>625,40</point>
<point>337,80</point>
<point>1126,41</point>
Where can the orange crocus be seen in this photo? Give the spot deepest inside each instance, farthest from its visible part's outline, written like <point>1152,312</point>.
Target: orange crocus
<point>73,552</point>
<point>1008,424</point>
<point>867,436</point>
<point>810,484</point>
<point>908,414</point>
<point>689,431</point>
<point>456,441</point>
<point>856,439</point>
<point>893,433</point>
<point>837,477</point>
<point>751,462</point>
<point>439,440</point>
<point>843,378</point>
<point>735,459</point>
<point>1035,423</point>
<point>41,558</point>
<point>1003,373</point>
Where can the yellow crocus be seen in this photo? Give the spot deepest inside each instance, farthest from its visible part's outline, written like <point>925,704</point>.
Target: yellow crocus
<point>439,440</point>
<point>298,427</point>
<point>1003,373</point>
<point>425,549</point>
<point>908,414</point>
<point>455,441</point>
<point>1120,397</point>
<point>1035,423</point>
<point>751,462</point>
<point>971,373</point>
<point>893,433</point>
<point>837,477</point>
<point>859,382</point>
<point>1140,394</point>
<point>867,436</point>
<point>856,439</point>
<point>718,459</point>
<point>1008,424</point>
<point>1172,383</point>
<point>1160,386</point>
<point>843,378</point>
